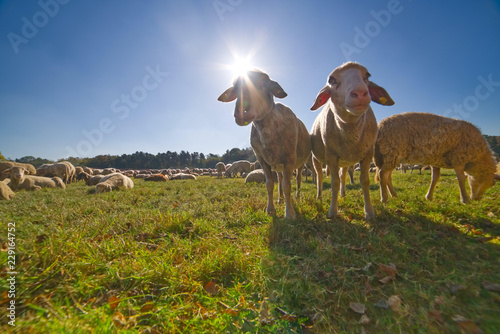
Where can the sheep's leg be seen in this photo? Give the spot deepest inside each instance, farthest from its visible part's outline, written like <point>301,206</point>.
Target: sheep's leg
<point>287,187</point>
<point>280,187</point>
<point>392,191</point>
<point>464,198</point>
<point>385,175</point>
<point>299,180</point>
<point>364,179</point>
<point>271,210</point>
<point>318,167</point>
<point>343,175</point>
<point>334,173</point>
<point>350,170</point>
<point>436,173</point>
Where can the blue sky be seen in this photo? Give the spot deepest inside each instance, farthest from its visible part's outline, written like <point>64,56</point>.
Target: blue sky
<point>84,78</point>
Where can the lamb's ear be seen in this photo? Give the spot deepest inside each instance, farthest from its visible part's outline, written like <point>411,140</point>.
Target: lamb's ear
<point>323,96</point>
<point>229,95</point>
<point>379,95</point>
<point>7,171</point>
<point>276,89</point>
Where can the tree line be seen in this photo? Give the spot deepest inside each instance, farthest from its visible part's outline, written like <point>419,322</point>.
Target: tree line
<point>143,160</point>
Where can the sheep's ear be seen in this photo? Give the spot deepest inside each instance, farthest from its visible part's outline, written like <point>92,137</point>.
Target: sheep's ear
<point>276,89</point>
<point>379,95</point>
<point>229,95</point>
<point>322,97</point>
<point>7,171</point>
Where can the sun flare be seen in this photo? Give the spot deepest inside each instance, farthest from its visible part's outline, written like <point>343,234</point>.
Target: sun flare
<point>240,66</point>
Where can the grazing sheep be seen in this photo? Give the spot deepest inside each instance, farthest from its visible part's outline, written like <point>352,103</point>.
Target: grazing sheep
<point>107,171</point>
<point>83,176</point>
<point>5,192</point>
<point>156,178</point>
<point>221,168</point>
<point>94,180</point>
<point>78,170</point>
<point>345,131</point>
<point>438,141</point>
<point>63,170</point>
<point>20,180</point>
<point>279,139</point>
<point>114,181</point>
<point>258,176</point>
<point>183,176</point>
<point>8,164</point>
<point>242,166</point>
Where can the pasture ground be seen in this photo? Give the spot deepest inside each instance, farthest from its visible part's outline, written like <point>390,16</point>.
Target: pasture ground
<point>203,257</point>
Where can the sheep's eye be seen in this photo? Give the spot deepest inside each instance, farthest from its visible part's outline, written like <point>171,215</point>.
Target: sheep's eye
<point>367,77</point>
<point>332,80</point>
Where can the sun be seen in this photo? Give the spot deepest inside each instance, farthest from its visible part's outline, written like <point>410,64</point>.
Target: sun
<point>240,66</point>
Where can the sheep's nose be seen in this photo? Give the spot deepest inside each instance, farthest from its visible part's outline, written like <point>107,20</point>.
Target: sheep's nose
<point>359,93</point>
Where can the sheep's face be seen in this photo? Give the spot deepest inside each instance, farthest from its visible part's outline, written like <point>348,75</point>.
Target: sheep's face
<point>16,173</point>
<point>102,188</point>
<point>349,89</point>
<point>253,93</point>
<point>479,185</point>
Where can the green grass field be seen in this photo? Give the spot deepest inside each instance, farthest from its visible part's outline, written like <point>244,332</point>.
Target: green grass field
<point>203,257</point>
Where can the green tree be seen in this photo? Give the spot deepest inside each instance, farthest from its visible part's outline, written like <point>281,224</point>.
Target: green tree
<point>2,158</point>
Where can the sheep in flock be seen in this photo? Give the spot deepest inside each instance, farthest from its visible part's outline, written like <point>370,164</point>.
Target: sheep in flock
<point>20,180</point>
<point>220,167</point>
<point>156,178</point>
<point>64,170</point>
<point>114,181</point>
<point>345,131</point>
<point>242,167</point>
<point>279,139</point>
<point>94,180</point>
<point>441,142</point>
<point>258,176</point>
<point>5,192</point>
<point>8,164</point>
<point>182,176</point>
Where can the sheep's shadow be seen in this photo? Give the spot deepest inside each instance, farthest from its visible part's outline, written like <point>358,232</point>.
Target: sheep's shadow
<point>321,263</point>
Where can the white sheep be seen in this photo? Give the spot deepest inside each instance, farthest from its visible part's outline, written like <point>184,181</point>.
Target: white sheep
<point>345,131</point>
<point>242,167</point>
<point>61,169</point>
<point>113,181</point>
<point>220,167</point>
<point>182,176</point>
<point>94,180</point>
<point>441,142</point>
<point>258,176</point>
<point>19,179</point>
<point>279,139</point>
<point>5,192</point>
<point>8,164</point>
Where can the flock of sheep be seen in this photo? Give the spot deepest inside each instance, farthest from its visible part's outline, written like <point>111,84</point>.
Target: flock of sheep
<point>344,133</point>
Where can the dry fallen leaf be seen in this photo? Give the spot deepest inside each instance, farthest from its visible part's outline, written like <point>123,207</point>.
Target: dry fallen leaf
<point>382,303</point>
<point>113,302</point>
<point>119,320</point>
<point>491,286</point>
<point>389,270</point>
<point>386,279</point>
<point>436,316</point>
<point>364,320</point>
<point>466,326</point>
<point>212,288</point>
<point>395,303</point>
<point>147,307</point>
<point>358,307</point>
